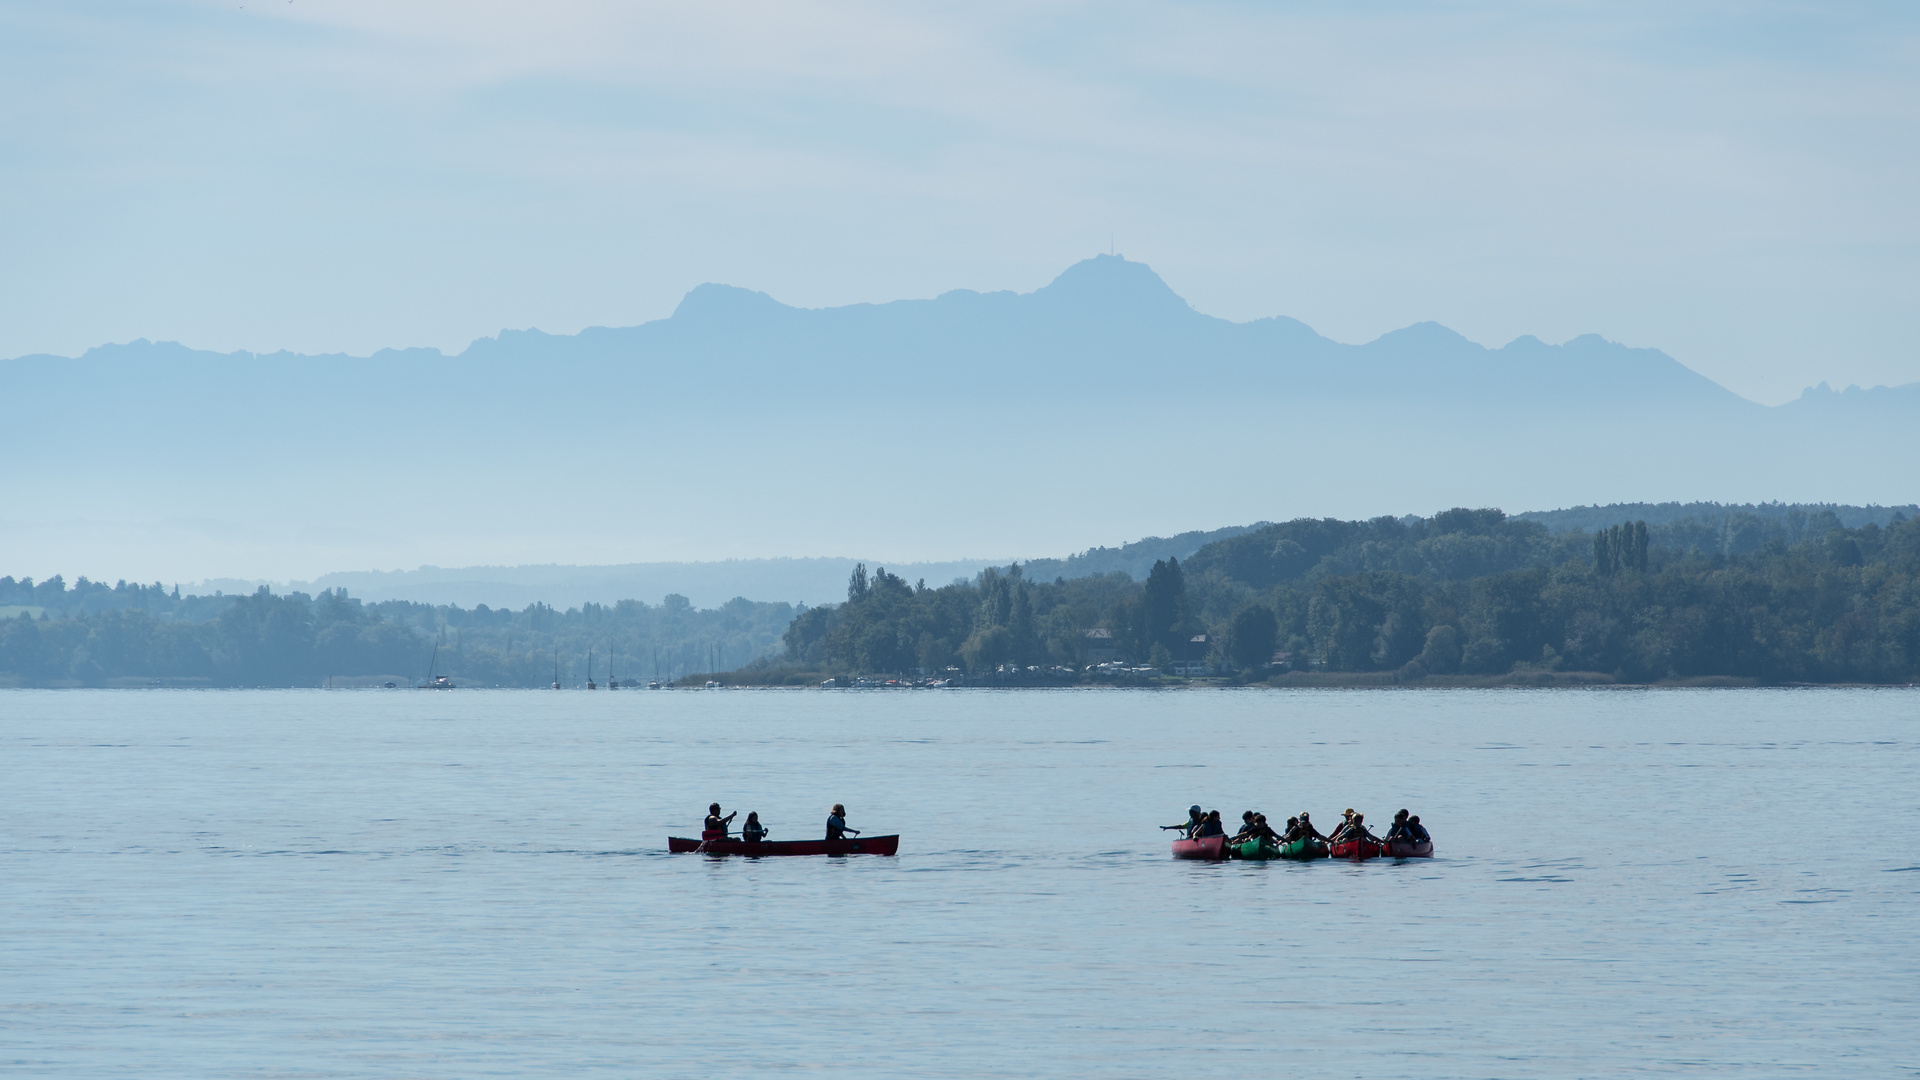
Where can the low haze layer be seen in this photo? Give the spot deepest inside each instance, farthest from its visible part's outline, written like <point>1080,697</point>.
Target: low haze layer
<point>1100,406</point>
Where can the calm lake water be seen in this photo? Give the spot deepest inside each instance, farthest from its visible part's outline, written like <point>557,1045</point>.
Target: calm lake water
<point>408,884</point>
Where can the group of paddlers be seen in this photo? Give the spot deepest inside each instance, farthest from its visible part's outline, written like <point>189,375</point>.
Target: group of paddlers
<point>1353,826</point>
<point>753,832</point>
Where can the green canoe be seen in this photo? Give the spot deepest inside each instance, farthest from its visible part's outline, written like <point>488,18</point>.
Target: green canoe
<point>1256,849</point>
<point>1303,850</point>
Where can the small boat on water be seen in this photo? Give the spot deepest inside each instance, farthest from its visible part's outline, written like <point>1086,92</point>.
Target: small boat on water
<point>1256,850</point>
<point>718,843</point>
<point>1410,849</point>
<point>1358,850</point>
<point>436,682</point>
<point>1211,848</point>
<point>1304,849</point>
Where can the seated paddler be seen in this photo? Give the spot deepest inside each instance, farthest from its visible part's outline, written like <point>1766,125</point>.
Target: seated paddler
<point>753,832</point>
<point>1398,830</point>
<point>1211,826</point>
<point>1260,830</point>
<point>1191,826</point>
<point>1356,830</point>
<point>1246,828</point>
<point>837,824</point>
<point>1307,831</point>
<point>716,823</point>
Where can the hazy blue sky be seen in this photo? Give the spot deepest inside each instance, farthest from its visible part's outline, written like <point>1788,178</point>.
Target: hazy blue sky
<point>1734,183</point>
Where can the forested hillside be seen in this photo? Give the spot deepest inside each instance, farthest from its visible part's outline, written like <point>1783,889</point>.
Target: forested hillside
<point>1773,597</point>
<point>130,635</point>
<point>1465,592</point>
<point>1731,527</point>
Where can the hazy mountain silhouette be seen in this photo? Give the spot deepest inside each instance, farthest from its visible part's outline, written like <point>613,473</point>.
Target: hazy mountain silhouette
<point>1099,404</point>
<point>1100,324</point>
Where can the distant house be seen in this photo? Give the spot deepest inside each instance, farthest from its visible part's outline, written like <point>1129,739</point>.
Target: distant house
<point>1193,661</point>
<point>1099,646</point>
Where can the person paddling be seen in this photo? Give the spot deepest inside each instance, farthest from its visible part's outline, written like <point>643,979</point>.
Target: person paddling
<point>1307,831</point>
<point>837,824</point>
<point>1398,830</point>
<point>1356,829</point>
<point>1190,826</point>
<point>1260,830</point>
<point>1246,828</point>
<point>753,832</point>
<point>716,823</point>
<point>1211,826</point>
<point>1341,831</point>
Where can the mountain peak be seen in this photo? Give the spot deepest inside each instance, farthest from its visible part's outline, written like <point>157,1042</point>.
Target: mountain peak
<point>721,303</point>
<point>1110,286</point>
<point>1424,336</point>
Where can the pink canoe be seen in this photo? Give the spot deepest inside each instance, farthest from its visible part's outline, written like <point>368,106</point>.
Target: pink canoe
<point>1212,847</point>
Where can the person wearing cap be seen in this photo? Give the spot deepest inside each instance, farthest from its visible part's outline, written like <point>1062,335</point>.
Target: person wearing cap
<point>1355,829</point>
<point>1211,826</point>
<point>837,824</point>
<point>1191,826</point>
<point>1307,831</point>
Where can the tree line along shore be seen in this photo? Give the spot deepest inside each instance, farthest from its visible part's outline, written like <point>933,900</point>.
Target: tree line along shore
<point>1465,597</point>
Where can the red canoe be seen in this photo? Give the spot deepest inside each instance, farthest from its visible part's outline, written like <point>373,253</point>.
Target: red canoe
<point>1358,850</point>
<point>1213,847</point>
<point>1410,849</point>
<point>860,845</point>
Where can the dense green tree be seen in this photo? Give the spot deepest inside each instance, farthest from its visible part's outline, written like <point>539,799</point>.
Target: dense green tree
<point>1620,548</point>
<point>1254,633</point>
<point>1441,651</point>
<point>1163,618</point>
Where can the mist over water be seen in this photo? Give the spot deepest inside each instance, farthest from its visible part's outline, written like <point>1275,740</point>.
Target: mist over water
<point>678,439</point>
<point>313,884</point>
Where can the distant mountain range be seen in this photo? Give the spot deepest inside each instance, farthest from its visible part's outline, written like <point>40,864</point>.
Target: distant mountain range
<point>1099,326</point>
<point>741,427</point>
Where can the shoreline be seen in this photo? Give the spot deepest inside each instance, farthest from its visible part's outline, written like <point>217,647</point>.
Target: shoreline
<point>1298,680</point>
<point>1320,682</point>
